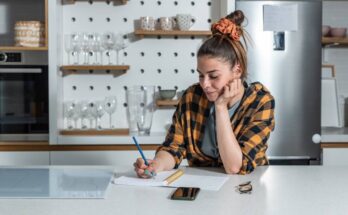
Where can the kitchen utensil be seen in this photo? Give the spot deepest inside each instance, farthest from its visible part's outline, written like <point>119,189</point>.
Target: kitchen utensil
<point>338,32</point>
<point>147,23</point>
<point>325,29</point>
<point>185,21</point>
<point>167,94</point>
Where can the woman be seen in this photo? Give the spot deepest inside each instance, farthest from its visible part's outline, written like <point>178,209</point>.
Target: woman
<point>221,121</point>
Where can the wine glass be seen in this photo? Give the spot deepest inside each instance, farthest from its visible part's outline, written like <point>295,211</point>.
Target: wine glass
<point>84,113</point>
<point>92,114</point>
<point>68,45</point>
<point>119,45</point>
<point>69,112</point>
<point>110,104</point>
<point>99,105</point>
<point>108,42</point>
<point>85,47</point>
<point>76,46</point>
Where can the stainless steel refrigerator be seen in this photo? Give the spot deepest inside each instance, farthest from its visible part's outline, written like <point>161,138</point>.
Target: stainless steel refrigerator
<point>286,57</point>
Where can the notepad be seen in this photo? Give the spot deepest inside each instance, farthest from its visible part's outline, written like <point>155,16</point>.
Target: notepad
<point>213,183</point>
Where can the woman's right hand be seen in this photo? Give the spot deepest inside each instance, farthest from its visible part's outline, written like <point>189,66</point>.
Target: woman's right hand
<point>144,171</point>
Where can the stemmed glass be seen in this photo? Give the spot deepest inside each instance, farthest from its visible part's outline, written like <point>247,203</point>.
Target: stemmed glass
<point>110,103</point>
<point>76,46</point>
<point>95,44</point>
<point>68,45</point>
<point>69,112</point>
<point>99,112</point>
<point>119,45</point>
<point>84,113</point>
<point>108,42</point>
<point>85,47</point>
<point>92,114</point>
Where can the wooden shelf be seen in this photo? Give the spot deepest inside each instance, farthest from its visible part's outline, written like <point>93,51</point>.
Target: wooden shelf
<point>334,40</point>
<point>74,1</point>
<point>143,33</point>
<point>114,132</point>
<point>19,48</point>
<point>93,69</point>
<point>167,103</point>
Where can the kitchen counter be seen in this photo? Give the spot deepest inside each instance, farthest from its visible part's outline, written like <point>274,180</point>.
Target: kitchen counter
<point>276,190</point>
<point>334,135</point>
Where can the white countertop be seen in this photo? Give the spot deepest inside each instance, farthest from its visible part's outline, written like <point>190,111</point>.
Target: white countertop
<point>276,190</point>
<point>334,134</point>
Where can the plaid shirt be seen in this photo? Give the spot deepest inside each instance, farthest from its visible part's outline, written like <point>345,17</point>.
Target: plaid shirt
<point>252,124</point>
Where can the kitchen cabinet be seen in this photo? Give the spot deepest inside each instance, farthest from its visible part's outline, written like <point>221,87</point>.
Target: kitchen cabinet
<point>24,158</point>
<point>21,10</point>
<point>335,156</point>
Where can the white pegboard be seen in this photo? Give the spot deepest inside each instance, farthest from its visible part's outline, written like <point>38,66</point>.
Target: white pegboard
<point>175,58</point>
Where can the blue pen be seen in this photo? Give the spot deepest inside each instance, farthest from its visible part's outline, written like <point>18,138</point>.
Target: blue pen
<point>141,153</point>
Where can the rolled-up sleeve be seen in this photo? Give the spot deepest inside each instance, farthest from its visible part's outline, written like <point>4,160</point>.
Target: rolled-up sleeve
<point>253,139</point>
<point>174,141</point>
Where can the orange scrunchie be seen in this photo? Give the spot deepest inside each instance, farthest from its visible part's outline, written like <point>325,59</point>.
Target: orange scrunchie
<point>226,27</point>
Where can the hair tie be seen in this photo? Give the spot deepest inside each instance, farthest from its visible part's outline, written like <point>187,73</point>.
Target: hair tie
<point>226,27</point>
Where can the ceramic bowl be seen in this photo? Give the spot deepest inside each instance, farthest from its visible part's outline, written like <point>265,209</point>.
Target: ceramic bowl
<point>167,94</point>
<point>338,32</point>
<point>325,29</point>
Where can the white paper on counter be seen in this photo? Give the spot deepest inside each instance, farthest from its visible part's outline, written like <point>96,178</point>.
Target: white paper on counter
<point>280,17</point>
<point>213,183</point>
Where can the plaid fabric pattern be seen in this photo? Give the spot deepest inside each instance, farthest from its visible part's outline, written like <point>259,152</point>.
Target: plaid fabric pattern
<point>252,124</point>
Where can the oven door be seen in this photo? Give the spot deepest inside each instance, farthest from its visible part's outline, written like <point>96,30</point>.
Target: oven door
<point>23,103</point>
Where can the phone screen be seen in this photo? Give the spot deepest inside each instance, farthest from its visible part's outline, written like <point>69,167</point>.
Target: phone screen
<point>185,193</point>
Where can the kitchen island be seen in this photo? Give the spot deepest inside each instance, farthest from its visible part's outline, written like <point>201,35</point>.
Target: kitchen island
<point>276,190</point>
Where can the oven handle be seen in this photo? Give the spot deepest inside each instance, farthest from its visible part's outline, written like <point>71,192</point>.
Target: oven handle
<point>20,70</point>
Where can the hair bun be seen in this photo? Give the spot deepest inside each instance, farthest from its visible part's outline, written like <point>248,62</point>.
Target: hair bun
<point>226,27</point>
<point>237,17</point>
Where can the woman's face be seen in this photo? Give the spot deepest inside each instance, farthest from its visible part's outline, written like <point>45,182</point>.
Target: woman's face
<point>214,74</point>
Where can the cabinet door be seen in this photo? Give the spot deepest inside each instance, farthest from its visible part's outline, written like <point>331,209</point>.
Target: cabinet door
<point>24,158</point>
<point>97,157</point>
<point>335,156</point>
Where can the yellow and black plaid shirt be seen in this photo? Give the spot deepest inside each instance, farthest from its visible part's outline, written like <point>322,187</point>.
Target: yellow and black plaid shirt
<point>252,124</point>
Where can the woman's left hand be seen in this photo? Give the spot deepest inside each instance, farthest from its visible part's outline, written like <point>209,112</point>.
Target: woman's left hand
<point>230,91</point>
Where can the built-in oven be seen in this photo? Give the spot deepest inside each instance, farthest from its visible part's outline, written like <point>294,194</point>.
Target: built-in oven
<point>23,96</point>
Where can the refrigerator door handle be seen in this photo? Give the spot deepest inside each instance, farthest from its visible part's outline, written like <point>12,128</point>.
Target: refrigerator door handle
<point>279,40</point>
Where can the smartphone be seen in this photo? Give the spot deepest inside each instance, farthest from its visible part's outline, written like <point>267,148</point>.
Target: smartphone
<point>185,193</point>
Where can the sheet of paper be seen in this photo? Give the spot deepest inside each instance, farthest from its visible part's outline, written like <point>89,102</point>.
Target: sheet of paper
<point>134,180</point>
<point>213,183</point>
<point>280,17</point>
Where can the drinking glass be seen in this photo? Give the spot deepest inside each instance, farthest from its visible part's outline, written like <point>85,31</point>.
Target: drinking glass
<point>92,114</point>
<point>140,101</point>
<point>119,45</point>
<point>108,42</point>
<point>68,45</point>
<point>76,46</point>
<point>84,113</point>
<point>69,112</point>
<point>110,104</point>
<point>99,105</point>
<point>85,47</point>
